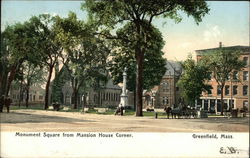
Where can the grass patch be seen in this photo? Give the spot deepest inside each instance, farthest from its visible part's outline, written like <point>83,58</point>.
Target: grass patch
<point>152,114</point>
<point>24,108</point>
<point>128,112</point>
<point>92,111</point>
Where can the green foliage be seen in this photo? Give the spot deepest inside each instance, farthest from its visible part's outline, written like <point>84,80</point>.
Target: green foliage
<point>192,81</point>
<point>60,79</point>
<point>16,47</point>
<point>110,15</point>
<point>85,54</point>
<point>123,56</point>
<point>112,12</point>
<point>222,62</point>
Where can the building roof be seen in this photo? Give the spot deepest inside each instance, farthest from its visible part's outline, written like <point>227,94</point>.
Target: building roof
<point>111,85</point>
<point>173,68</point>
<point>246,49</point>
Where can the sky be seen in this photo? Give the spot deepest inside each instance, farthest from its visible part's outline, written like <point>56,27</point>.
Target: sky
<point>227,22</point>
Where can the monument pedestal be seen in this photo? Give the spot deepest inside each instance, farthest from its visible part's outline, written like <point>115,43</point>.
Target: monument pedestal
<point>124,97</point>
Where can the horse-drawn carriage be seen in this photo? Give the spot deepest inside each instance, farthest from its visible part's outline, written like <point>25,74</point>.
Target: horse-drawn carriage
<point>182,111</point>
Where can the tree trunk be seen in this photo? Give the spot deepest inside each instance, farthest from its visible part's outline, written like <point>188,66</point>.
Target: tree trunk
<point>84,102</point>
<point>27,94</point>
<point>75,94</point>
<point>10,79</point>
<point>46,104</point>
<point>20,94</point>
<point>139,82</point>
<point>3,83</point>
<point>134,99</point>
<point>27,97</point>
<point>222,100</point>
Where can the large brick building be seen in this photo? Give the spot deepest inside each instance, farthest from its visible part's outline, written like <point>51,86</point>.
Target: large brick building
<point>236,91</point>
<point>167,93</point>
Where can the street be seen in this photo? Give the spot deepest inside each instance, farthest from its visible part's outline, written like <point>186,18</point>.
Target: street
<point>52,121</point>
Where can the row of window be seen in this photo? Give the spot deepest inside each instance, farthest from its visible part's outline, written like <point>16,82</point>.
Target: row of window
<point>164,100</point>
<point>16,96</point>
<point>108,97</point>
<point>235,76</point>
<point>165,87</point>
<point>234,90</point>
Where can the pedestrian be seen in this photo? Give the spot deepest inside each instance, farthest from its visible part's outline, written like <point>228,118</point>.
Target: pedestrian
<point>7,102</point>
<point>1,103</point>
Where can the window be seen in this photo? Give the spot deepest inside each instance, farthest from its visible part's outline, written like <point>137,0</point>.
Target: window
<point>107,96</point>
<point>218,90</point>
<point>235,90</point>
<point>245,59</point>
<point>41,97</point>
<point>245,103</point>
<point>245,89</point>
<point>165,86</point>
<point>235,75</point>
<point>103,96</point>
<point>231,103</point>
<point>164,100</point>
<point>226,90</point>
<point>245,75</point>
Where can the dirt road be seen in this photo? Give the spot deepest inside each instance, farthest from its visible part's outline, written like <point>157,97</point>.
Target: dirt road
<point>52,121</point>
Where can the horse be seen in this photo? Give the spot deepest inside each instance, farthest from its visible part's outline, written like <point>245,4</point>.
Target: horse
<point>168,110</point>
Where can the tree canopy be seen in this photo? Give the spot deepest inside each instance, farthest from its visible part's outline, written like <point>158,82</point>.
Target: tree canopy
<point>193,80</point>
<point>85,53</point>
<point>108,15</point>
<point>123,56</point>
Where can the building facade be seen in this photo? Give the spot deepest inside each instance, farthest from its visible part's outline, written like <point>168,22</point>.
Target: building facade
<point>236,91</point>
<point>106,96</point>
<point>18,95</point>
<point>167,93</point>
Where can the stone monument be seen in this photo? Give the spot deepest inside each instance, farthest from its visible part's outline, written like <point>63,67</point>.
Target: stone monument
<point>124,97</point>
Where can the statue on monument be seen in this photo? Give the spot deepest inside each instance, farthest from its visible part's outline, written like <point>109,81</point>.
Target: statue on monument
<point>124,98</point>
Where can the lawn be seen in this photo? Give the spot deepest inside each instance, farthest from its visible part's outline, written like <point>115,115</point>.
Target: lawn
<point>128,112</point>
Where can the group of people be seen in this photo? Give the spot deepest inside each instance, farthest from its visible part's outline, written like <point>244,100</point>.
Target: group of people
<point>5,101</point>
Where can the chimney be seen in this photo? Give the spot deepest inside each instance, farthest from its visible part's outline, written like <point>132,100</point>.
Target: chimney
<point>220,44</point>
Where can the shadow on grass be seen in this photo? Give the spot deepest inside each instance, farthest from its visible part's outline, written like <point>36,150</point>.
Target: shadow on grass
<point>16,117</point>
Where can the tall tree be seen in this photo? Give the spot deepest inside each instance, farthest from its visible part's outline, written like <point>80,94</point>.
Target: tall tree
<point>86,54</point>
<point>193,80</point>
<point>16,47</point>
<point>48,47</point>
<point>109,14</point>
<point>222,62</point>
<point>32,74</point>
